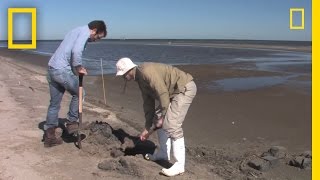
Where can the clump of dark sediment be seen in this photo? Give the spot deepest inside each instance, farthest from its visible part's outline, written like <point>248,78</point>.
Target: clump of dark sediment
<point>100,139</point>
<point>116,146</point>
<point>123,165</point>
<point>233,164</point>
<point>302,161</point>
<point>109,142</point>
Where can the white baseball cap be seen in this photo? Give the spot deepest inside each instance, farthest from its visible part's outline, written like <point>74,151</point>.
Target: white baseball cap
<point>124,65</point>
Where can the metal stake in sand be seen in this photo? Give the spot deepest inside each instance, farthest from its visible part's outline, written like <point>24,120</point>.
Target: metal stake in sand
<point>80,110</point>
<point>104,90</point>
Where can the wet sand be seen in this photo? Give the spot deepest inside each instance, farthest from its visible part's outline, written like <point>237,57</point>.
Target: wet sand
<point>278,114</point>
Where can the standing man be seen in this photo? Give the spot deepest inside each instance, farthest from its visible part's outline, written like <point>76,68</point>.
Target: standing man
<point>64,66</point>
<point>175,90</point>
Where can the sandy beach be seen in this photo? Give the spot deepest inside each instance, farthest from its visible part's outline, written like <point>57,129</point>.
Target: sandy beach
<point>223,129</point>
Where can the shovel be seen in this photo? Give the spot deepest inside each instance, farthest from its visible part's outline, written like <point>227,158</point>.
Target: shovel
<point>80,110</point>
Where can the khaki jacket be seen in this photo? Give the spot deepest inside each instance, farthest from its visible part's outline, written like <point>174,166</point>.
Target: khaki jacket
<point>159,82</point>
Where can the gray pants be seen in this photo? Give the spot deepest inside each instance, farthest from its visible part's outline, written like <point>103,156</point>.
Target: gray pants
<point>177,111</point>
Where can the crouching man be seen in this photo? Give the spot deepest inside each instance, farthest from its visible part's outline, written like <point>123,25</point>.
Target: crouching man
<point>175,90</point>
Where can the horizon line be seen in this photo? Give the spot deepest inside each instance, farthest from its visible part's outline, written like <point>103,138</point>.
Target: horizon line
<point>172,39</point>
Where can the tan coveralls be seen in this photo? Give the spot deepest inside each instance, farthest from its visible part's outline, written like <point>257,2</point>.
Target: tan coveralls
<point>173,88</point>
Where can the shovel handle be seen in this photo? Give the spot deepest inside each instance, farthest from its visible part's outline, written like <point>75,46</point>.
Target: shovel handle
<point>80,109</point>
<point>80,92</point>
<point>80,79</point>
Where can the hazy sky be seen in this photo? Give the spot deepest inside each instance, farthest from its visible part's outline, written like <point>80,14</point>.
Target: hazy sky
<point>172,19</point>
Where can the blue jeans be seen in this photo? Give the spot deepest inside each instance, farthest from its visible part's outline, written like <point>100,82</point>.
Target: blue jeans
<point>61,80</point>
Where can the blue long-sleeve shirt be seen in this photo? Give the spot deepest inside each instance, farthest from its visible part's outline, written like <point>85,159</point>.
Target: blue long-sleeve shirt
<point>69,52</point>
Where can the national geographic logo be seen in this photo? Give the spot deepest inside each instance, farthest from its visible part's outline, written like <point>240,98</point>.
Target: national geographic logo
<point>33,12</point>
<point>297,10</point>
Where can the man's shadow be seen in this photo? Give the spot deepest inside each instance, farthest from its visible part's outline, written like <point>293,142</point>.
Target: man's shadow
<point>140,147</point>
<point>66,137</point>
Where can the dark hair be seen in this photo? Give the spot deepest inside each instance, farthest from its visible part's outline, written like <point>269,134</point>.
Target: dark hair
<point>99,25</point>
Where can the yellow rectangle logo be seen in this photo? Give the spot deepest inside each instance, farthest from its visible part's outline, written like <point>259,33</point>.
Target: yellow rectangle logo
<point>33,12</point>
<point>296,10</point>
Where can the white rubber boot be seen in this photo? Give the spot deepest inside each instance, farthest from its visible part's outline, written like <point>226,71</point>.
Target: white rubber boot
<point>163,153</point>
<point>179,154</point>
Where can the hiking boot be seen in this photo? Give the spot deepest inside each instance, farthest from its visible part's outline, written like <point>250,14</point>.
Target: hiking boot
<point>72,127</point>
<point>50,138</point>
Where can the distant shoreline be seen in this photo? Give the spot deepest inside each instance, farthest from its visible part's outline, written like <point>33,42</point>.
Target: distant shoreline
<point>298,46</point>
<point>193,40</point>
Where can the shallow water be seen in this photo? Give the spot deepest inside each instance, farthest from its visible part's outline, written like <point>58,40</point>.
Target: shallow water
<point>247,83</point>
<point>100,57</point>
<point>181,52</point>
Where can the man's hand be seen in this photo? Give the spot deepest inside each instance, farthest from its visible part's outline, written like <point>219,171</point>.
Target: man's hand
<point>82,70</point>
<point>144,135</point>
<point>159,122</point>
